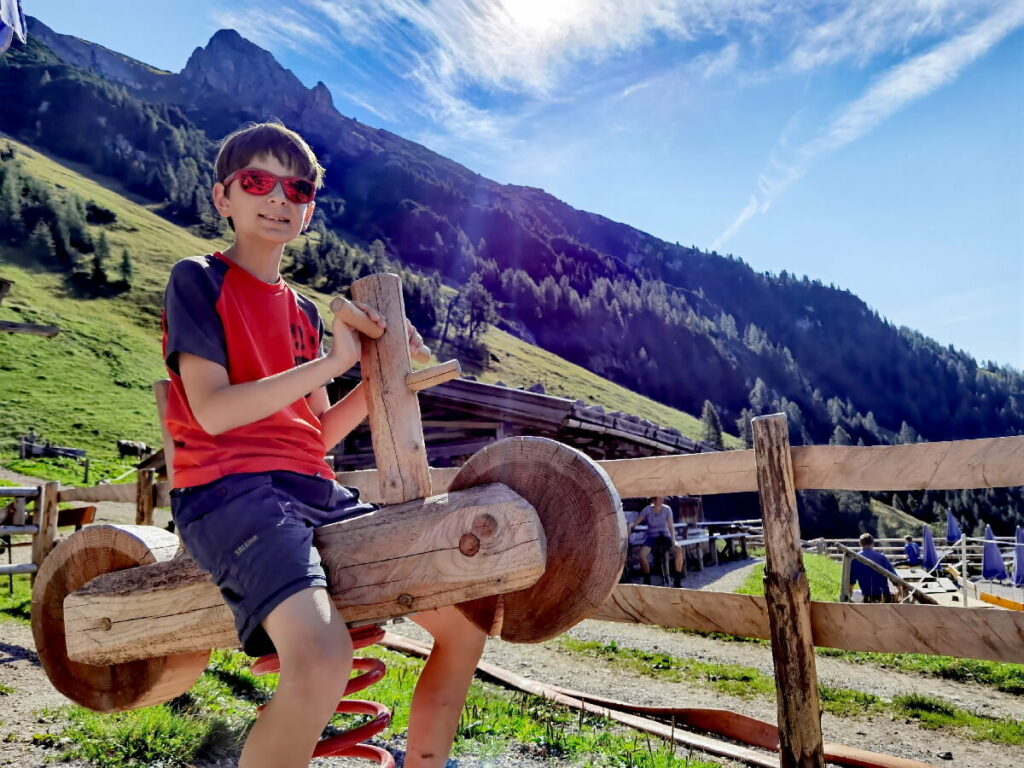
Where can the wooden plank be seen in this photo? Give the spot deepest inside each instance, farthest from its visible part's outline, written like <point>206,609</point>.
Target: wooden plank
<point>1002,602</point>
<point>18,530</point>
<point>970,633</point>
<point>10,570</point>
<point>46,519</point>
<point>366,481</point>
<point>399,559</point>
<point>18,516</point>
<point>788,596</point>
<point>123,492</point>
<point>394,410</point>
<point>30,328</point>
<point>985,463</point>
<point>25,492</point>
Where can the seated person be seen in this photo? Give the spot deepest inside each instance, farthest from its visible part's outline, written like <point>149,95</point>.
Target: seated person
<point>657,516</point>
<point>911,552</point>
<point>873,585</point>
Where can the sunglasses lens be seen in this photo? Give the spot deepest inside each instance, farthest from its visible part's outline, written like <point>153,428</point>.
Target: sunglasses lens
<point>299,190</point>
<point>256,182</point>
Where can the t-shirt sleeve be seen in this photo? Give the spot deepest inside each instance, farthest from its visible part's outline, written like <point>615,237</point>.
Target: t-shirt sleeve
<point>313,315</point>
<point>190,314</point>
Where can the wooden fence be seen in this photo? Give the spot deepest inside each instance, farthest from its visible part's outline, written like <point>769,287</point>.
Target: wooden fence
<point>785,614</point>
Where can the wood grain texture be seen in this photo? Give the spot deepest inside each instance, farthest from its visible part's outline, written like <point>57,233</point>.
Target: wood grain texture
<point>585,529</point>
<point>102,549</point>
<point>788,597</point>
<point>971,633</point>
<point>45,519</point>
<point>398,559</point>
<point>394,411</point>
<point>145,491</point>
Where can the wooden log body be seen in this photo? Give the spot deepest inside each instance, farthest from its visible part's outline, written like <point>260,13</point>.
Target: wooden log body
<point>407,557</point>
<point>789,599</point>
<point>105,688</point>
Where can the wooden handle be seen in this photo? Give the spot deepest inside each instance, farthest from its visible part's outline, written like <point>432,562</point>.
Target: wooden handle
<point>353,316</point>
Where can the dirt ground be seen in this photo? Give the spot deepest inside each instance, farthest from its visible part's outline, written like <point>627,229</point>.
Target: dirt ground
<point>20,718</point>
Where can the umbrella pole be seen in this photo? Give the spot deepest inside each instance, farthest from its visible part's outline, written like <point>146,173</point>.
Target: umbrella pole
<point>963,567</point>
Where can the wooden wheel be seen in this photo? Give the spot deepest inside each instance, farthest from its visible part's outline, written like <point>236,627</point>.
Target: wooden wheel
<point>86,554</point>
<point>585,528</point>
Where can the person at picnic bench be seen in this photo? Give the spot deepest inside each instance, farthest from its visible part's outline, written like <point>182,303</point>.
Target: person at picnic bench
<point>911,552</point>
<point>250,420</point>
<point>657,516</point>
<point>873,585</point>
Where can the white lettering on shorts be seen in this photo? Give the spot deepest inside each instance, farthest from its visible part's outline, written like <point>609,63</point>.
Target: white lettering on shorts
<point>246,544</point>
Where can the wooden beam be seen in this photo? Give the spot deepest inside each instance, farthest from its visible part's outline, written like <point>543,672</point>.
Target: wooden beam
<point>46,519</point>
<point>144,495</point>
<point>369,487</point>
<point>426,378</point>
<point>123,492</point>
<point>970,633</point>
<point>35,330</point>
<point>920,596</point>
<point>16,568</point>
<point>985,463</point>
<point>23,492</point>
<point>403,558</point>
<point>394,410</point>
<point>788,597</point>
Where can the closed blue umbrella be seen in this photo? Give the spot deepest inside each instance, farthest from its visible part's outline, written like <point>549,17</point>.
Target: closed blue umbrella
<point>930,558</point>
<point>1018,559</point>
<point>12,22</point>
<point>992,566</point>
<point>953,532</point>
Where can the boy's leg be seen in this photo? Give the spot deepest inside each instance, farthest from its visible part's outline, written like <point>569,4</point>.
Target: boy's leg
<point>645,566</point>
<point>441,690</point>
<point>315,652</point>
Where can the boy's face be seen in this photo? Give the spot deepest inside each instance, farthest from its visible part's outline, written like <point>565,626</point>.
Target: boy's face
<point>270,217</point>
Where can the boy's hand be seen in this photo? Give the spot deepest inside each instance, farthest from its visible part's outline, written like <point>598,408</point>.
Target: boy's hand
<point>347,345</point>
<point>418,350</point>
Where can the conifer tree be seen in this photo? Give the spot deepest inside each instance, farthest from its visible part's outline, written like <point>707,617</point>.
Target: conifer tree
<point>712,434</point>
<point>99,262</point>
<point>127,272</point>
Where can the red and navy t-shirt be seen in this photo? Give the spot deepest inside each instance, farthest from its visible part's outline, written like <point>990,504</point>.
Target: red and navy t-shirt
<point>217,310</point>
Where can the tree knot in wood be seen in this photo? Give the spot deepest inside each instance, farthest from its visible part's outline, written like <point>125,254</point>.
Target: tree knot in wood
<point>469,544</point>
<point>405,600</point>
<point>485,526</point>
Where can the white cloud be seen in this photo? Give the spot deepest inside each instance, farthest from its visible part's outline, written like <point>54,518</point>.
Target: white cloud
<point>898,86</point>
<point>280,28</point>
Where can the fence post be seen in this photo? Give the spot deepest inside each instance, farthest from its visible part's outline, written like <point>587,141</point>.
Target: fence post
<point>144,489</point>
<point>46,519</point>
<point>963,566</point>
<point>844,584</point>
<point>788,599</point>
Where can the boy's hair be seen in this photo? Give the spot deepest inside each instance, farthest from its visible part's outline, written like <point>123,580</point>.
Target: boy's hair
<point>238,149</point>
<point>867,540</point>
<point>908,539</point>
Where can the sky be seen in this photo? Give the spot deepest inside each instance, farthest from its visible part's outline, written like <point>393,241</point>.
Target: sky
<point>877,146</point>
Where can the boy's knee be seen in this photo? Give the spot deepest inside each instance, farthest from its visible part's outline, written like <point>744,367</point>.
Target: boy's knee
<point>319,663</point>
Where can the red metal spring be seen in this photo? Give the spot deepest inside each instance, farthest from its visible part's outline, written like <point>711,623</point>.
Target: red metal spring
<point>347,744</point>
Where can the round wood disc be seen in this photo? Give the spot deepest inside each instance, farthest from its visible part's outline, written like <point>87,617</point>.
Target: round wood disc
<point>86,554</point>
<point>585,528</point>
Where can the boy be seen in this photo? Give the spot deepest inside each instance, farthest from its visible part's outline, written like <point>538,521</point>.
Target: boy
<point>658,517</point>
<point>873,585</point>
<point>250,419</point>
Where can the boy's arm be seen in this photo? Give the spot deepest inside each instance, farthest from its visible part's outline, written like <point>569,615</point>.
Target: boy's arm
<point>219,405</point>
<point>337,420</point>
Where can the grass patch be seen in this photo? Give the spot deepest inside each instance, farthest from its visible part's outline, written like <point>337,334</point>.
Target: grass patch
<point>6,690</point>
<point>823,575</point>
<point>213,718</point>
<point>842,702</point>
<point>999,675</point>
<point>16,606</point>
<point>68,471</point>
<point>930,712</point>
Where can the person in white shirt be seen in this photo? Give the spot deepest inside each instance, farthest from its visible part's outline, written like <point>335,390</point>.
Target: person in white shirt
<point>659,521</point>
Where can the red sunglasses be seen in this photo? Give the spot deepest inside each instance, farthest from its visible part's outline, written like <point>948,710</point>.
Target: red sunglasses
<point>256,181</point>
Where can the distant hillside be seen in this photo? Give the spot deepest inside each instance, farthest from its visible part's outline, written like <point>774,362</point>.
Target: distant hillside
<point>676,323</point>
<point>92,383</point>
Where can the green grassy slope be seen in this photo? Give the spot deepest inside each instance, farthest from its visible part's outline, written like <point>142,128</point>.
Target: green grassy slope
<point>91,384</point>
<point>893,523</point>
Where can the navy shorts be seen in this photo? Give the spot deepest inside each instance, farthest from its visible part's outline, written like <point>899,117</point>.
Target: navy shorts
<point>652,539</point>
<point>253,533</point>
